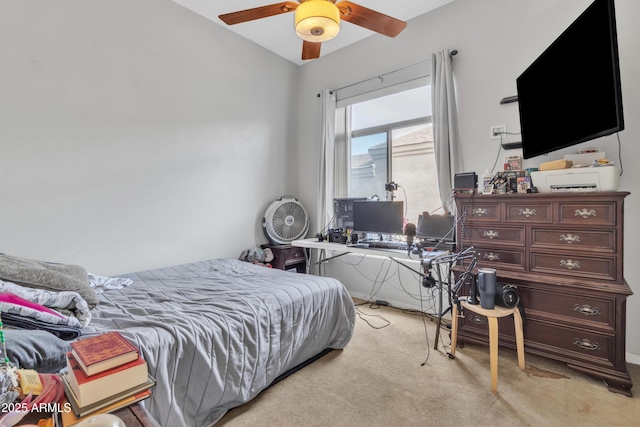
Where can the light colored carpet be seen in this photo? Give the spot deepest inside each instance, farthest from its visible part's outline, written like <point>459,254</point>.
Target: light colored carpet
<point>379,380</point>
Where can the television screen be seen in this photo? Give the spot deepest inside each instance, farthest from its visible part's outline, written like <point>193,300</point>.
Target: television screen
<point>436,228</point>
<point>572,92</point>
<point>378,216</point>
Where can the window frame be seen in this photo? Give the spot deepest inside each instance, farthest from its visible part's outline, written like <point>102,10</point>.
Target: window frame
<point>388,130</point>
<point>399,80</point>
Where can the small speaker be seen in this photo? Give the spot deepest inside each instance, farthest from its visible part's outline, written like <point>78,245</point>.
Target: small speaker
<point>506,295</point>
<point>466,180</point>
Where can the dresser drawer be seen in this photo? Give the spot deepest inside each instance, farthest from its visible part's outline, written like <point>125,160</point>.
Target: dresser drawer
<point>574,239</point>
<point>293,255</point>
<point>501,258</point>
<point>572,343</point>
<point>575,265</point>
<point>564,307</point>
<point>590,213</point>
<point>482,212</point>
<point>529,212</point>
<point>563,342</point>
<point>496,235</point>
<point>477,325</point>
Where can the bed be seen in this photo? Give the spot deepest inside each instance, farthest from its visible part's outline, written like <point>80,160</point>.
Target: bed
<point>216,333</point>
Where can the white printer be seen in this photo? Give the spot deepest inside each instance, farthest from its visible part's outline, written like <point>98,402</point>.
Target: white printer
<point>599,178</point>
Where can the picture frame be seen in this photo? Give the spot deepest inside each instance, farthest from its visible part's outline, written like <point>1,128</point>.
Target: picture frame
<point>488,189</point>
<point>514,162</point>
<point>524,184</point>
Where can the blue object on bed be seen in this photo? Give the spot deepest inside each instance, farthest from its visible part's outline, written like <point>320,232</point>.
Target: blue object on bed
<point>36,349</point>
<point>216,333</point>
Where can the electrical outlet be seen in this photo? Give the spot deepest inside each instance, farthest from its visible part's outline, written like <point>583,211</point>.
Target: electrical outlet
<point>497,131</point>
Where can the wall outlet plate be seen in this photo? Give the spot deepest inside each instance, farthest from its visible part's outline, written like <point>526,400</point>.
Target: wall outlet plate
<point>498,131</point>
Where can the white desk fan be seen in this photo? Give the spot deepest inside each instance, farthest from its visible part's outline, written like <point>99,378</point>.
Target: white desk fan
<point>285,220</point>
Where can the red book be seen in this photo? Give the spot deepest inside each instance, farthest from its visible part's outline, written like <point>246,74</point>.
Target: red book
<point>102,352</point>
<point>91,389</point>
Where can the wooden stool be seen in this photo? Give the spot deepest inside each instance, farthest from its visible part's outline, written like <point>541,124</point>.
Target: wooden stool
<point>492,316</point>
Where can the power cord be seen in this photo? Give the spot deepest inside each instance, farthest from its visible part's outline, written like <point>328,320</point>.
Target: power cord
<point>620,154</point>
<point>424,324</point>
<point>495,163</point>
<point>373,304</point>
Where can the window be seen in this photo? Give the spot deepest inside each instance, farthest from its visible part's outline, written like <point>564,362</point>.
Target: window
<point>391,140</point>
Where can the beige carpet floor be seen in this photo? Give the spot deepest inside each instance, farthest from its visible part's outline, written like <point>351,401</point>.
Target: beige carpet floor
<point>379,380</point>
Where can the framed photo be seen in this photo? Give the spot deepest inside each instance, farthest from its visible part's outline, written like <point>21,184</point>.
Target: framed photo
<point>488,189</point>
<point>524,184</point>
<point>514,162</point>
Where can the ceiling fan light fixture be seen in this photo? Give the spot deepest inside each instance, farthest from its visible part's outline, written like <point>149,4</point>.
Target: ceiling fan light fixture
<point>317,20</point>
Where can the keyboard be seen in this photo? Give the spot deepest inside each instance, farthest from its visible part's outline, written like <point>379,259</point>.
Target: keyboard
<point>386,244</point>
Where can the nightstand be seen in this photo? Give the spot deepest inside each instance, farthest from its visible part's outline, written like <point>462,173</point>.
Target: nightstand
<point>136,416</point>
<point>289,258</point>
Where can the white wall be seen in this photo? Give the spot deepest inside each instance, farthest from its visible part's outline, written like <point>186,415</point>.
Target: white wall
<point>137,134</point>
<point>376,278</point>
<point>496,40</point>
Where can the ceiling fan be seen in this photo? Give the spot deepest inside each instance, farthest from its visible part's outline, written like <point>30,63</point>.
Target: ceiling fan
<point>317,21</point>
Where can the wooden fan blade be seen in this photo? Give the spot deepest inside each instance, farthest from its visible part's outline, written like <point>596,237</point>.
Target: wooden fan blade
<point>310,50</point>
<point>258,12</point>
<point>370,19</point>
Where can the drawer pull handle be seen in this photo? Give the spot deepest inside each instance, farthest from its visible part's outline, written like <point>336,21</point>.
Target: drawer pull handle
<point>587,310</point>
<point>586,344</point>
<point>480,320</point>
<point>479,211</point>
<point>585,213</point>
<point>570,238</point>
<point>491,234</point>
<point>569,264</point>
<point>491,256</point>
<point>528,212</point>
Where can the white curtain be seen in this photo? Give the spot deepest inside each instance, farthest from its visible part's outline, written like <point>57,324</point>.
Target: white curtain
<point>327,156</point>
<point>445,124</point>
<point>342,152</point>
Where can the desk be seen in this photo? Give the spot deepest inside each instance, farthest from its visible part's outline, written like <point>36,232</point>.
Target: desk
<point>399,256</point>
<point>344,249</point>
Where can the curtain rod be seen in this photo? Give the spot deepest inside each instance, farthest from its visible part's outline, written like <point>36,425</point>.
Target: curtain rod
<point>453,53</point>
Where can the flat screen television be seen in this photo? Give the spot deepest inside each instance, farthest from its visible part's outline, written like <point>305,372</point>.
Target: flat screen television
<point>572,93</point>
<point>378,216</point>
<point>436,228</point>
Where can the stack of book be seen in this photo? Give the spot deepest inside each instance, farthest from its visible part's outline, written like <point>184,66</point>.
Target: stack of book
<point>104,373</point>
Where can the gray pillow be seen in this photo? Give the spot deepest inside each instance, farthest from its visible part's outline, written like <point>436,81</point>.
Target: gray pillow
<point>36,349</point>
<point>46,275</point>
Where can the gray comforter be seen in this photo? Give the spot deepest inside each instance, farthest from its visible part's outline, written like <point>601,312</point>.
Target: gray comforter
<point>216,333</point>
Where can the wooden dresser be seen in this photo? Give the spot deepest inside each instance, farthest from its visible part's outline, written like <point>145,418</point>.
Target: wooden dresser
<point>564,253</point>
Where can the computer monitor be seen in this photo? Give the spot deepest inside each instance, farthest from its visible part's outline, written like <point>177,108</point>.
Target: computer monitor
<point>343,212</point>
<point>436,228</point>
<point>378,216</point>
